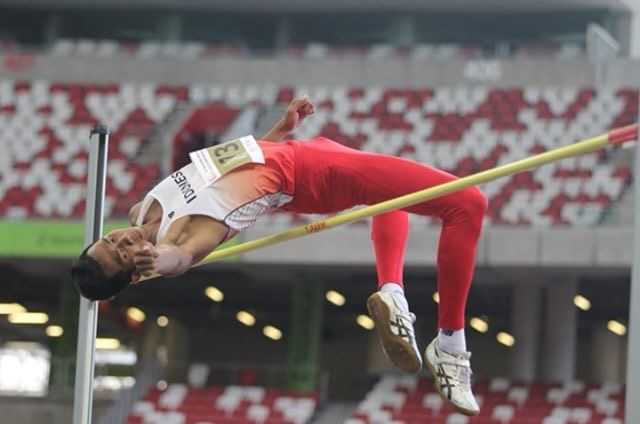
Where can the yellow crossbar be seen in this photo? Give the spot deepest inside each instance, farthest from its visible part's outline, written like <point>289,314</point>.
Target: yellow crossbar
<point>613,137</point>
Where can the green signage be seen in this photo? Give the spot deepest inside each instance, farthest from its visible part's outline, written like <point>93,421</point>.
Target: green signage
<point>54,239</point>
<point>49,238</point>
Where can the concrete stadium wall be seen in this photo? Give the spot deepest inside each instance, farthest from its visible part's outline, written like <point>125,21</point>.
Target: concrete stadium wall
<point>47,410</point>
<point>499,246</point>
<point>332,72</point>
<point>331,5</point>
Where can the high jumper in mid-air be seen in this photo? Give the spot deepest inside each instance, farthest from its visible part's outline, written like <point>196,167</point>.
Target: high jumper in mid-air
<point>227,187</point>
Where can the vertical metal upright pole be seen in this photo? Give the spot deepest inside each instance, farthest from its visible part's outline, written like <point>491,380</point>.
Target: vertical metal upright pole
<point>632,413</point>
<point>88,320</point>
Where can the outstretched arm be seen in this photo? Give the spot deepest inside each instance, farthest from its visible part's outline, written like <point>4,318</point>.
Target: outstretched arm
<point>297,110</point>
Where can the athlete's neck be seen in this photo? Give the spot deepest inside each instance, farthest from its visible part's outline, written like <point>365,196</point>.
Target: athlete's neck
<point>151,220</point>
<point>150,230</point>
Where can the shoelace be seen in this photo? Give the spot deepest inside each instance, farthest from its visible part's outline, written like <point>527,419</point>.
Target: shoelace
<point>404,314</point>
<point>411,317</point>
<point>463,373</point>
<point>406,331</point>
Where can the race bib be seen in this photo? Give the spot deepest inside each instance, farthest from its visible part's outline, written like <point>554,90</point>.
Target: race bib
<point>216,161</point>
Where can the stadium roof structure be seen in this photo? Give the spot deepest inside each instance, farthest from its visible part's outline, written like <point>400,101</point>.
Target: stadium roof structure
<point>488,6</point>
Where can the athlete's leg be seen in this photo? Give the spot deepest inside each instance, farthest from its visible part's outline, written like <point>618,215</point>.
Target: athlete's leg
<point>389,232</point>
<point>461,213</point>
<point>376,178</point>
<point>333,178</point>
<point>461,225</point>
<point>388,306</point>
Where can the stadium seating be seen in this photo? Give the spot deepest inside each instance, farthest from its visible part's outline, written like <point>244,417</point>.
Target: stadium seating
<point>44,127</point>
<point>180,404</point>
<point>465,130</point>
<point>412,400</point>
<point>199,50</point>
<point>146,50</point>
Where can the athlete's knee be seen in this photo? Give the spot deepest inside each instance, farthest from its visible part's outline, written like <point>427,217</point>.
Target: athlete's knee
<point>471,205</point>
<point>476,201</point>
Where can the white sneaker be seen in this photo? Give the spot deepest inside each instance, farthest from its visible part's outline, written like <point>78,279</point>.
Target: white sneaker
<point>395,329</point>
<point>452,374</point>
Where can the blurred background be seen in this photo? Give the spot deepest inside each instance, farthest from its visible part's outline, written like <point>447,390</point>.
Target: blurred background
<point>281,335</point>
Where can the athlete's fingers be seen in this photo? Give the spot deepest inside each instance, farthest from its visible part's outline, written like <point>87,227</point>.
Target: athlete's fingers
<point>143,261</point>
<point>293,104</point>
<point>299,103</point>
<point>297,110</point>
<point>144,267</point>
<point>149,250</point>
<point>145,251</point>
<point>305,103</point>
<point>143,256</point>
<point>307,108</point>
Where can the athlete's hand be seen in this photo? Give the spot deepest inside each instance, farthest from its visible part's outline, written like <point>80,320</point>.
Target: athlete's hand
<point>297,110</point>
<point>144,260</point>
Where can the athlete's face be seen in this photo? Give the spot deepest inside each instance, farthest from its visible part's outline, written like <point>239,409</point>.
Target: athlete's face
<point>117,250</point>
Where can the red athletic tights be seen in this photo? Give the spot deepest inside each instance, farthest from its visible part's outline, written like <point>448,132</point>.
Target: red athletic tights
<point>330,177</point>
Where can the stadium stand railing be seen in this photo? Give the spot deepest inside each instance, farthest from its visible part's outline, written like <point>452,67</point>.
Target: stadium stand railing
<point>195,50</point>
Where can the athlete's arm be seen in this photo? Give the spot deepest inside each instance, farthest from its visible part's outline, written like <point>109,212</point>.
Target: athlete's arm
<point>297,110</point>
<point>171,259</point>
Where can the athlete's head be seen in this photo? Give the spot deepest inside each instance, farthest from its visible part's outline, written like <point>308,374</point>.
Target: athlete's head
<point>106,267</point>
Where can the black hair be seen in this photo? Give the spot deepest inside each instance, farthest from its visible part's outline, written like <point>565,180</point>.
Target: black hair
<point>91,281</point>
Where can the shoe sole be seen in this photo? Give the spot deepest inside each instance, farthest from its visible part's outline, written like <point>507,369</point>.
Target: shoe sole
<point>436,384</point>
<point>399,351</point>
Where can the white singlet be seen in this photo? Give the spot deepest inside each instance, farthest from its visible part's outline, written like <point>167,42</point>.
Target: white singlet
<point>236,199</point>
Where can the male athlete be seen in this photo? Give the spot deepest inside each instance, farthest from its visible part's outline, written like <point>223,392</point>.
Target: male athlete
<point>224,190</point>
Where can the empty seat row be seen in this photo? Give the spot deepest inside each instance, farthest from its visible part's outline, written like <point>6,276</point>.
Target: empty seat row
<point>198,50</point>
<point>402,399</point>
<point>183,404</point>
